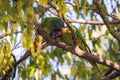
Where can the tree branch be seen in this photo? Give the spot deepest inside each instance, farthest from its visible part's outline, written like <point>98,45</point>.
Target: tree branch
<point>79,52</point>
<point>6,34</point>
<point>92,22</point>
<point>111,76</point>
<point>77,20</point>
<point>103,16</point>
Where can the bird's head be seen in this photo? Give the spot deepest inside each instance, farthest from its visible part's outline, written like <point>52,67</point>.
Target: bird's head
<point>58,24</point>
<point>56,33</point>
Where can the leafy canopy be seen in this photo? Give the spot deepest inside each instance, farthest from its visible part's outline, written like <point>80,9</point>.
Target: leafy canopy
<point>19,36</point>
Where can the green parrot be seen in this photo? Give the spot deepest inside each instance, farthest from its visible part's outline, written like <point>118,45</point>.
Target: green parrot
<point>55,28</point>
<point>52,25</point>
<point>66,37</point>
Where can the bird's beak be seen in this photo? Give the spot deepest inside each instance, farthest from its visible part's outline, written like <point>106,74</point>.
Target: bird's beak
<point>61,28</point>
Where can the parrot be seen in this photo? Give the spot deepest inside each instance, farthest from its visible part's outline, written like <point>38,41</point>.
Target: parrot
<point>56,29</point>
<point>52,25</point>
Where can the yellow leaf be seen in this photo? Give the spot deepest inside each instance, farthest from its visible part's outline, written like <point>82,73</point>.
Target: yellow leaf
<point>14,26</point>
<point>32,71</point>
<point>65,9</point>
<point>40,60</point>
<point>62,8</point>
<point>9,49</point>
<point>68,57</point>
<point>8,31</point>
<point>38,44</point>
<point>74,70</point>
<point>43,2</point>
<point>33,53</point>
<point>27,39</point>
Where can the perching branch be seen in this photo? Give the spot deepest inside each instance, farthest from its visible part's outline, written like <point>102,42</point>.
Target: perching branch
<point>79,52</point>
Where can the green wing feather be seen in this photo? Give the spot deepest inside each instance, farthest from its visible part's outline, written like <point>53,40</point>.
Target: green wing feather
<point>47,24</point>
<point>79,35</point>
<point>68,39</point>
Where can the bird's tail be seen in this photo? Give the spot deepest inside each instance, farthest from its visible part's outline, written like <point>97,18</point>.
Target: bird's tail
<point>95,66</point>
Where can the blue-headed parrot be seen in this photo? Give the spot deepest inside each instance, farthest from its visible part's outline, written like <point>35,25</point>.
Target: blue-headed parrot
<point>56,29</point>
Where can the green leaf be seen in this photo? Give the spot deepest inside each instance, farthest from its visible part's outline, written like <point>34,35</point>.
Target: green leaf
<point>27,39</point>
<point>6,18</point>
<point>59,74</point>
<point>77,5</point>
<point>90,34</point>
<point>83,28</point>
<point>115,47</point>
<point>83,3</point>
<point>62,8</point>
<point>67,57</point>
<point>98,42</point>
<point>29,15</point>
<point>20,4</point>
<point>1,26</point>
<point>74,70</point>
<point>53,76</point>
<point>39,10</point>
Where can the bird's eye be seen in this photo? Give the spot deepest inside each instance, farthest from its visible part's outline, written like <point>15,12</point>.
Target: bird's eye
<point>57,25</point>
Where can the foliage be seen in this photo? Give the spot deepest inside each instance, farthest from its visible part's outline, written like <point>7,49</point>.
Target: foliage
<point>18,34</point>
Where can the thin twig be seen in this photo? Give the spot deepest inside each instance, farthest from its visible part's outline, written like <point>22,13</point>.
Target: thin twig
<point>7,34</point>
<point>92,22</point>
<point>77,20</point>
<point>106,21</point>
<point>111,76</point>
<point>72,31</point>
